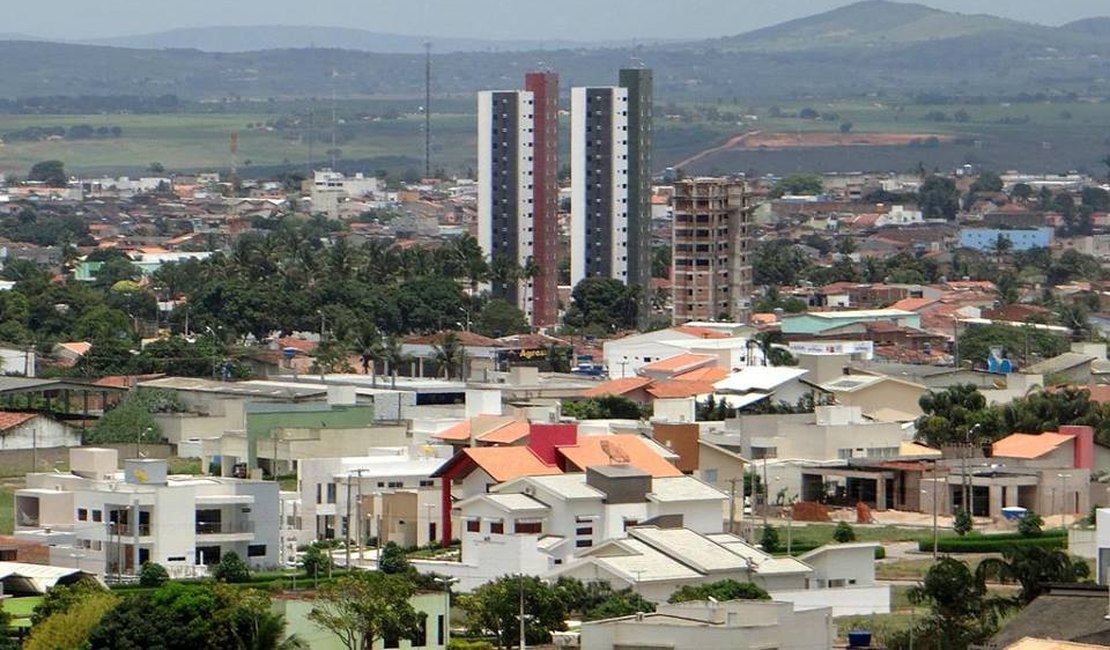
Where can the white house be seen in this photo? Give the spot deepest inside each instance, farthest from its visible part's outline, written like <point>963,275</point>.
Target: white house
<point>624,357</point>
<point>656,562</point>
<point>566,513</point>
<point>390,491</point>
<point>35,431</point>
<point>106,522</point>
<point>705,625</point>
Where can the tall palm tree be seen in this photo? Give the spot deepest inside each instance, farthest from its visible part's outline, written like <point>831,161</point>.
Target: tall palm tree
<point>393,356</point>
<point>368,345</point>
<point>450,354</point>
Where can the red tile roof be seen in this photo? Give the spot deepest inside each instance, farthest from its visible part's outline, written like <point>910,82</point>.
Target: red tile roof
<point>1029,446</point>
<point>501,463</point>
<point>617,387</point>
<point>680,362</point>
<point>468,339</point>
<point>710,375</point>
<point>700,332</point>
<point>678,389</point>
<point>10,419</point>
<point>590,452</point>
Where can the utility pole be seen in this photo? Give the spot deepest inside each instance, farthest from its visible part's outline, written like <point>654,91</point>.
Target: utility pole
<point>732,505</point>
<point>427,109</point>
<point>935,507</point>
<point>358,523</point>
<point>347,533</point>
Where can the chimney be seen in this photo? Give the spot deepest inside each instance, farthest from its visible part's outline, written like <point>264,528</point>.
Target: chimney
<point>1084,445</point>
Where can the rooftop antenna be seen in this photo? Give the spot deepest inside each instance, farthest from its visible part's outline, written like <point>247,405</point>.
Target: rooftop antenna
<point>427,109</point>
<point>638,62</point>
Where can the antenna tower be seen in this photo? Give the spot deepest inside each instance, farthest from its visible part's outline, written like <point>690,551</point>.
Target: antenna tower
<point>427,109</point>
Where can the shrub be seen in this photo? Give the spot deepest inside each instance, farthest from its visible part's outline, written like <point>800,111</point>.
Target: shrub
<point>153,574</point>
<point>991,543</point>
<point>231,568</point>
<point>769,540</point>
<point>844,533</point>
<point>880,552</point>
<point>1030,525</point>
<point>316,561</point>
<point>962,523</point>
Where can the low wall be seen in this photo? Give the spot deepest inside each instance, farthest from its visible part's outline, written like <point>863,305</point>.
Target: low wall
<point>846,601</point>
<point>16,462</point>
<point>1082,542</point>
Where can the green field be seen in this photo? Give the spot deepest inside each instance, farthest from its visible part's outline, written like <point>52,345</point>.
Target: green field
<point>1044,136</point>
<point>823,534</point>
<point>21,609</point>
<point>7,510</point>
<point>202,142</point>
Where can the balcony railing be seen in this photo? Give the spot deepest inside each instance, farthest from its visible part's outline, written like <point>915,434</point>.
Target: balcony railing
<point>223,528</point>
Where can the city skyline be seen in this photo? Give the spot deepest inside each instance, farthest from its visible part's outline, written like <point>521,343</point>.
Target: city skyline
<point>489,19</point>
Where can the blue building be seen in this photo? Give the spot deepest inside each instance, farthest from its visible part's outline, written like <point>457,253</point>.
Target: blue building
<point>1023,239</point>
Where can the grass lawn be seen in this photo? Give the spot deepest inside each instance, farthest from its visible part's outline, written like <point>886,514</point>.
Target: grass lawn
<point>21,609</point>
<point>7,510</point>
<point>823,533</point>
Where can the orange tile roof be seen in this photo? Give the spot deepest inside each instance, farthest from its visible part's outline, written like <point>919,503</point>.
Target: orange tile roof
<point>679,362</point>
<point>9,419</point>
<point>588,452</point>
<point>1029,446</point>
<point>506,463</point>
<point>77,347</point>
<point>459,432</point>
<point>617,387</point>
<point>912,304</point>
<point>467,339</point>
<point>676,389</point>
<point>700,332</point>
<point>507,434</point>
<point>711,375</point>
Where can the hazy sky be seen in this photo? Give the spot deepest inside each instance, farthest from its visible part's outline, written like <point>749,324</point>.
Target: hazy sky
<point>528,19</point>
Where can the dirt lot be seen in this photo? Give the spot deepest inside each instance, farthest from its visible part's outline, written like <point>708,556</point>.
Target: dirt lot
<point>760,141</point>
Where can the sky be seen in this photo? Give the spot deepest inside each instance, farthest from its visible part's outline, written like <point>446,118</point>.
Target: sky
<point>581,20</point>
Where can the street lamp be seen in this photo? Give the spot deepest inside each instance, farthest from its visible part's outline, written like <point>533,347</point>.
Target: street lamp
<point>446,581</point>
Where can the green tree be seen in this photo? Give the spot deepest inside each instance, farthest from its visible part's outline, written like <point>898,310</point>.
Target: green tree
<point>366,606</point>
<point>153,574</point>
<point>393,559</point>
<point>1030,524</point>
<point>606,407</point>
<point>71,628</point>
<point>492,610</point>
<point>1022,191</point>
<point>938,198</point>
<point>962,523</point>
<point>1032,567</point>
<point>843,533</point>
<point>769,539</point>
<point>799,185</point>
<point>501,318</point>
<point>779,262</point>
<point>603,304</point>
<point>721,590</point>
<point>1006,289</point>
<point>597,600</point>
<point>316,561</point>
<point>987,182</point>
<point>955,415</point>
<point>450,355</point>
<point>975,343</point>
<point>231,568</point>
<point>51,173</point>
<point>132,420</point>
<point>962,612</point>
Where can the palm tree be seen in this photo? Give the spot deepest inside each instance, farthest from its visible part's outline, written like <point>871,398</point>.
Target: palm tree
<point>1032,567</point>
<point>450,354</point>
<point>393,356</point>
<point>368,345</point>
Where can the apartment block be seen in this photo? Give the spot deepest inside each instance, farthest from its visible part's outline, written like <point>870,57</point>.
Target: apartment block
<point>711,251</point>
<point>104,521</point>
<point>518,193</point>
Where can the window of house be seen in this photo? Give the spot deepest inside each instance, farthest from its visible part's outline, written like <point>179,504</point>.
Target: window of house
<point>331,492</point>
<point>497,527</point>
<point>583,543</point>
<point>256,550</point>
<point>9,555</point>
<point>709,475</point>
<point>97,516</point>
<point>319,492</point>
<point>82,514</point>
<point>427,483</point>
<point>527,527</point>
<point>396,484</point>
<point>420,638</point>
<point>473,526</point>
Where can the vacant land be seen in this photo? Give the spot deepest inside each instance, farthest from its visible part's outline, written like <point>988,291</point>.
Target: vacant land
<point>701,138</point>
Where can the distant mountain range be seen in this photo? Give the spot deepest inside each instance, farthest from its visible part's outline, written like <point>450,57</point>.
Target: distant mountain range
<point>873,46</point>
<point>279,37</point>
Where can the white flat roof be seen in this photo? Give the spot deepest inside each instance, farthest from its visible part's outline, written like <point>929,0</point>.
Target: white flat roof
<point>761,378</point>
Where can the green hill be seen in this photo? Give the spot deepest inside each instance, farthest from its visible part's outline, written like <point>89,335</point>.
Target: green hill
<point>871,23</point>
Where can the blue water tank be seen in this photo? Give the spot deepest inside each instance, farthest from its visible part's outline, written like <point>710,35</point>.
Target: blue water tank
<point>859,639</point>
